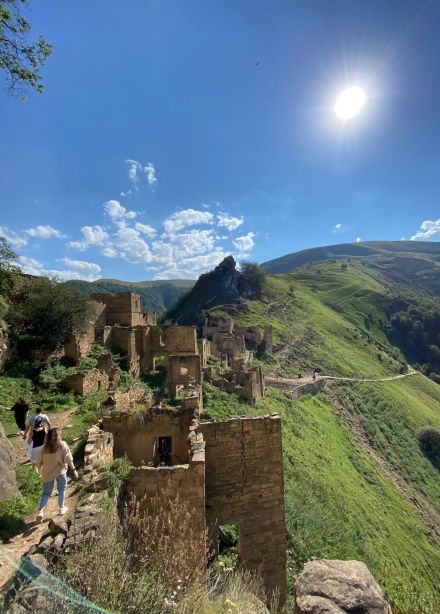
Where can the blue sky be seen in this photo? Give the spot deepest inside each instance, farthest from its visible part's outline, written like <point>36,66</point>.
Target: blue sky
<point>171,133</point>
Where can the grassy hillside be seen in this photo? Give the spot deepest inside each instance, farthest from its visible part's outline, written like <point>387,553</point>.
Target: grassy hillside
<point>412,264</point>
<point>155,295</point>
<point>357,484</point>
<point>329,317</point>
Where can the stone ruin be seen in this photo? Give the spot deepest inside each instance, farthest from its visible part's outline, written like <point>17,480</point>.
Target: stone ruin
<point>227,472</point>
<point>119,324</point>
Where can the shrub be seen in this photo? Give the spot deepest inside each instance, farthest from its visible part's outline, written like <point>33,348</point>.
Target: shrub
<point>429,441</point>
<point>116,474</point>
<point>47,312</point>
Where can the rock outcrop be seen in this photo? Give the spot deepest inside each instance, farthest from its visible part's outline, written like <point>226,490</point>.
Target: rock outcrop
<point>338,587</point>
<point>222,286</point>
<point>8,482</point>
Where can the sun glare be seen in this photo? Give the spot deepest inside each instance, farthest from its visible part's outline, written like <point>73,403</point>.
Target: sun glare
<point>350,102</point>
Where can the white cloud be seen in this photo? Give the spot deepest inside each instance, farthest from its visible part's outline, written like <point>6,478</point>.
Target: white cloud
<point>117,212</point>
<point>151,174</point>
<point>245,243</point>
<point>228,221</point>
<point>146,230</point>
<point>127,193</point>
<point>78,269</point>
<point>12,237</point>
<point>358,239</point>
<point>92,235</point>
<point>428,229</point>
<point>187,217</point>
<point>136,171</point>
<point>44,232</point>
<point>337,227</point>
<point>131,246</point>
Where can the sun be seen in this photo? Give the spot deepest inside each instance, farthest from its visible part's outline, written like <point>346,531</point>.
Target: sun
<point>350,102</point>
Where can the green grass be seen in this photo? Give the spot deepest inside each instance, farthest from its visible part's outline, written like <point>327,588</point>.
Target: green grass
<point>326,318</point>
<point>390,414</point>
<point>14,510</point>
<point>339,505</point>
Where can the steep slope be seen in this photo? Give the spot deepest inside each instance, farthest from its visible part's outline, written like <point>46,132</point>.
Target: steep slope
<point>155,295</point>
<point>357,484</point>
<point>412,264</point>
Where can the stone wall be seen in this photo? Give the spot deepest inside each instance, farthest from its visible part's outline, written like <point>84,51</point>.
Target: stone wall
<point>86,383</point>
<point>136,434</point>
<point>78,346</point>
<point>182,370</point>
<point>244,486</point>
<point>124,309</point>
<point>204,349</point>
<point>179,339</point>
<point>247,383</point>
<point>130,399</point>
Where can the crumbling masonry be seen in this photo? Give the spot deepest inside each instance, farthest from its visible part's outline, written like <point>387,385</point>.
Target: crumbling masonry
<point>226,472</point>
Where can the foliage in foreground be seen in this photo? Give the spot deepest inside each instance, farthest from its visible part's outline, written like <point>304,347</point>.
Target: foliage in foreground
<point>15,509</point>
<point>429,440</point>
<point>20,59</point>
<point>152,566</point>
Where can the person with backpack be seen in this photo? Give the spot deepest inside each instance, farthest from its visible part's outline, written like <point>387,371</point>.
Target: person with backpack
<point>53,459</point>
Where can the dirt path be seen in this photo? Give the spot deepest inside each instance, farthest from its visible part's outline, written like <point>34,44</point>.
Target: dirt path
<point>11,552</point>
<point>290,383</point>
<point>416,499</point>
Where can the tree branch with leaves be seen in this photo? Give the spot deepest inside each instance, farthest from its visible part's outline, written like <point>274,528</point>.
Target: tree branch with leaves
<point>20,59</point>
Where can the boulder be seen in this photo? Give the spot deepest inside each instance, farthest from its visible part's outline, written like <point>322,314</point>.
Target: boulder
<point>338,587</point>
<point>8,481</point>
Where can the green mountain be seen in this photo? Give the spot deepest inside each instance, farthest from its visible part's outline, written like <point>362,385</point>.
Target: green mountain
<point>358,485</point>
<point>413,264</point>
<point>155,295</point>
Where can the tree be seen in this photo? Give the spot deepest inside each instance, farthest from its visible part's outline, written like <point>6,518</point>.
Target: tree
<point>254,275</point>
<point>48,311</point>
<point>20,59</point>
<point>429,441</point>
<point>8,266</point>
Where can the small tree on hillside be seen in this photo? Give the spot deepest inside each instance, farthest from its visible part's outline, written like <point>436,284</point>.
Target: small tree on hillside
<point>8,266</point>
<point>429,441</point>
<point>48,311</point>
<point>254,275</point>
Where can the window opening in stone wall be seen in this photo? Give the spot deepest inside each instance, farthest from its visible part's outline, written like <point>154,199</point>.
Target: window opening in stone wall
<point>164,451</point>
<point>228,546</point>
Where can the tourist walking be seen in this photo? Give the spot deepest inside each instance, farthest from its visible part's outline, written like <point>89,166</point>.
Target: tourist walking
<point>21,409</point>
<point>31,421</point>
<point>53,460</point>
<point>38,436</point>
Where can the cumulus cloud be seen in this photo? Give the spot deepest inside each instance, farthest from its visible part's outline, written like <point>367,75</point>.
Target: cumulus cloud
<point>77,269</point>
<point>337,227</point>
<point>117,212</point>
<point>44,232</point>
<point>146,230</point>
<point>187,217</point>
<point>428,229</point>
<point>12,237</point>
<point>92,235</point>
<point>245,243</point>
<point>358,239</point>
<point>228,221</point>
<point>136,171</point>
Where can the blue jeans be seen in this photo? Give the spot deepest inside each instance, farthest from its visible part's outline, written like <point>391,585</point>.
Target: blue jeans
<point>48,487</point>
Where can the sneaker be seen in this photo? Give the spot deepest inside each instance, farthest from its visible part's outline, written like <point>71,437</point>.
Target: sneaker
<point>39,518</point>
<point>63,510</point>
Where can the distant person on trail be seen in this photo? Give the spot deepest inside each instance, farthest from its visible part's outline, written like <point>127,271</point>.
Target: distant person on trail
<point>314,374</point>
<point>38,437</point>
<point>52,461</point>
<point>21,409</point>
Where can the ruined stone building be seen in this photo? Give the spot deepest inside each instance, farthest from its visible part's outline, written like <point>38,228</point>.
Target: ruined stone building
<point>227,472</point>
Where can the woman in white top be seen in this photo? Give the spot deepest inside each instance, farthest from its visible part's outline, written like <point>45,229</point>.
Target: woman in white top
<point>52,463</point>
